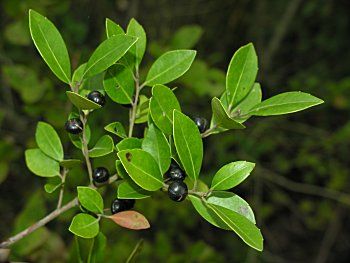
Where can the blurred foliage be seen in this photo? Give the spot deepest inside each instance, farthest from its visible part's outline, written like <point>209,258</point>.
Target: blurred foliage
<point>309,52</point>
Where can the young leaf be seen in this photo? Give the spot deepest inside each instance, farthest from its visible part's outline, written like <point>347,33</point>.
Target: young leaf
<point>84,225</point>
<point>186,37</point>
<point>233,202</point>
<point>231,175</point>
<point>130,190</point>
<point>116,128</point>
<point>242,226</point>
<point>241,74</point>
<point>41,164</point>
<point>188,143</point>
<point>104,146</point>
<point>131,220</point>
<point>107,53</point>
<point>90,199</point>
<point>221,118</point>
<point>48,141</point>
<point>50,45</point>
<point>119,84</point>
<point>138,50</point>
<point>170,66</point>
<point>142,168</point>
<point>70,163</point>
<point>53,184</point>
<point>113,29</point>
<point>81,102</point>
<point>162,105</point>
<point>284,103</point>
<point>129,143</point>
<point>157,145</point>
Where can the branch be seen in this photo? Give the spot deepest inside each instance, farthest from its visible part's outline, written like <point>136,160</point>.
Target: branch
<point>134,103</point>
<point>39,224</point>
<point>63,178</point>
<point>85,148</point>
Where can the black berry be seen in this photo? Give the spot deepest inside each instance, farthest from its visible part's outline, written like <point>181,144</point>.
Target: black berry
<point>176,174</point>
<point>177,191</point>
<point>100,176</point>
<point>201,123</point>
<point>97,97</point>
<point>74,126</point>
<point>119,205</point>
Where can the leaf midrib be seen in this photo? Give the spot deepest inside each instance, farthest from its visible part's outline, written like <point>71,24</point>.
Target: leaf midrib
<point>283,104</point>
<point>229,177</point>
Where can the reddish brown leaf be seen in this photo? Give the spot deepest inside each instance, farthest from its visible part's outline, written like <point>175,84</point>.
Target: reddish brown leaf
<point>130,219</point>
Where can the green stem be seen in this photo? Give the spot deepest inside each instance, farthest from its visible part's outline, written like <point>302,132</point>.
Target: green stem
<point>134,103</point>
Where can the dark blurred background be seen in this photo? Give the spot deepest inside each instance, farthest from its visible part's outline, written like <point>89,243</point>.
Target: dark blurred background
<point>300,188</point>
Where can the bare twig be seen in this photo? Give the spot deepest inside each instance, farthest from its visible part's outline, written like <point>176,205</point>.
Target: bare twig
<point>85,148</point>
<point>63,178</point>
<point>134,103</point>
<point>39,224</point>
<point>135,251</point>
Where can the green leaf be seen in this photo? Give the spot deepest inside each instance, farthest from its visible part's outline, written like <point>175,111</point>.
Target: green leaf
<point>142,109</point>
<point>90,199</point>
<point>130,190</point>
<point>162,105</point>
<point>104,146</point>
<point>85,226</point>
<point>76,139</point>
<point>116,128</point>
<point>53,184</point>
<point>186,37</point>
<point>231,175</point>
<point>78,75</point>
<point>170,66</point>
<point>41,164</point>
<point>121,171</point>
<point>138,50</point>
<point>241,74</point>
<point>157,145</point>
<point>284,103</point>
<point>48,141</point>
<point>221,118</point>
<point>242,226</point>
<point>70,163</point>
<point>142,168</point>
<point>107,53</point>
<point>81,102</point>
<point>188,143</point>
<point>113,29</point>
<point>98,250</point>
<point>129,143</point>
<point>119,84</point>
<point>50,45</point>
<point>233,202</point>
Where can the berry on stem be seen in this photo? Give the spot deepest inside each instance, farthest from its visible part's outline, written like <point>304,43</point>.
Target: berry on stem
<point>100,175</point>
<point>119,205</point>
<point>74,126</point>
<point>201,123</point>
<point>176,174</point>
<point>177,191</point>
<point>97,97</point>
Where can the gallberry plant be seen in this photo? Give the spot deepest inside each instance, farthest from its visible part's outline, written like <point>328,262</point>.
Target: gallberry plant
<point>169,157</point>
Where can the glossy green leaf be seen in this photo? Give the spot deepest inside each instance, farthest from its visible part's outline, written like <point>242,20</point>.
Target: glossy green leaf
<point>53,184</point>
<point>40,164</point>
<point>104,146</point>
<point>90,199</point>
<point>107,53</point>
<point>231,175</point>
<point>50,45</point>
<point>121,170</point>
<point>85,226</point>
<point>284,103</point>
<point>116,128</point>
<point>242,226</point>
<point>81,102</point>
<point>129,143</point>
<point>48,141</point>
<point>142,109</point>
<point>157,145</point>
<point>130,190</point>
<point>142,168</point>
<point>70,163</point>
<point>188,143</point>
<point>138,50</point>
<point>119,84</point>
<point>162,105</point>
<point>241,74</point>
<point>221,118</point>
<point>78,75</point>
<point>113,29</point>
<point>170,66</point>
<point>233,202</point>
<point>186,37</point>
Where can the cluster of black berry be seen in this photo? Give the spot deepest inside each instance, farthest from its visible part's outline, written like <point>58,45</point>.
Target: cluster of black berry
<point>177,190</point>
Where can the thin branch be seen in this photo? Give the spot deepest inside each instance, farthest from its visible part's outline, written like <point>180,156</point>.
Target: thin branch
<point>63,178</point>
<point>134,104</point>
<point>135,251</point>
<point>85,148</point>
<point>39,224</point>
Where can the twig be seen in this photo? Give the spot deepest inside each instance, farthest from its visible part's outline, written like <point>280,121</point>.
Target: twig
<point>85,148</point>
<point>63,178</point>
<point>135,251</point>
<point>208,132</point>
<point>134,103</point>
<point>39,224</point>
